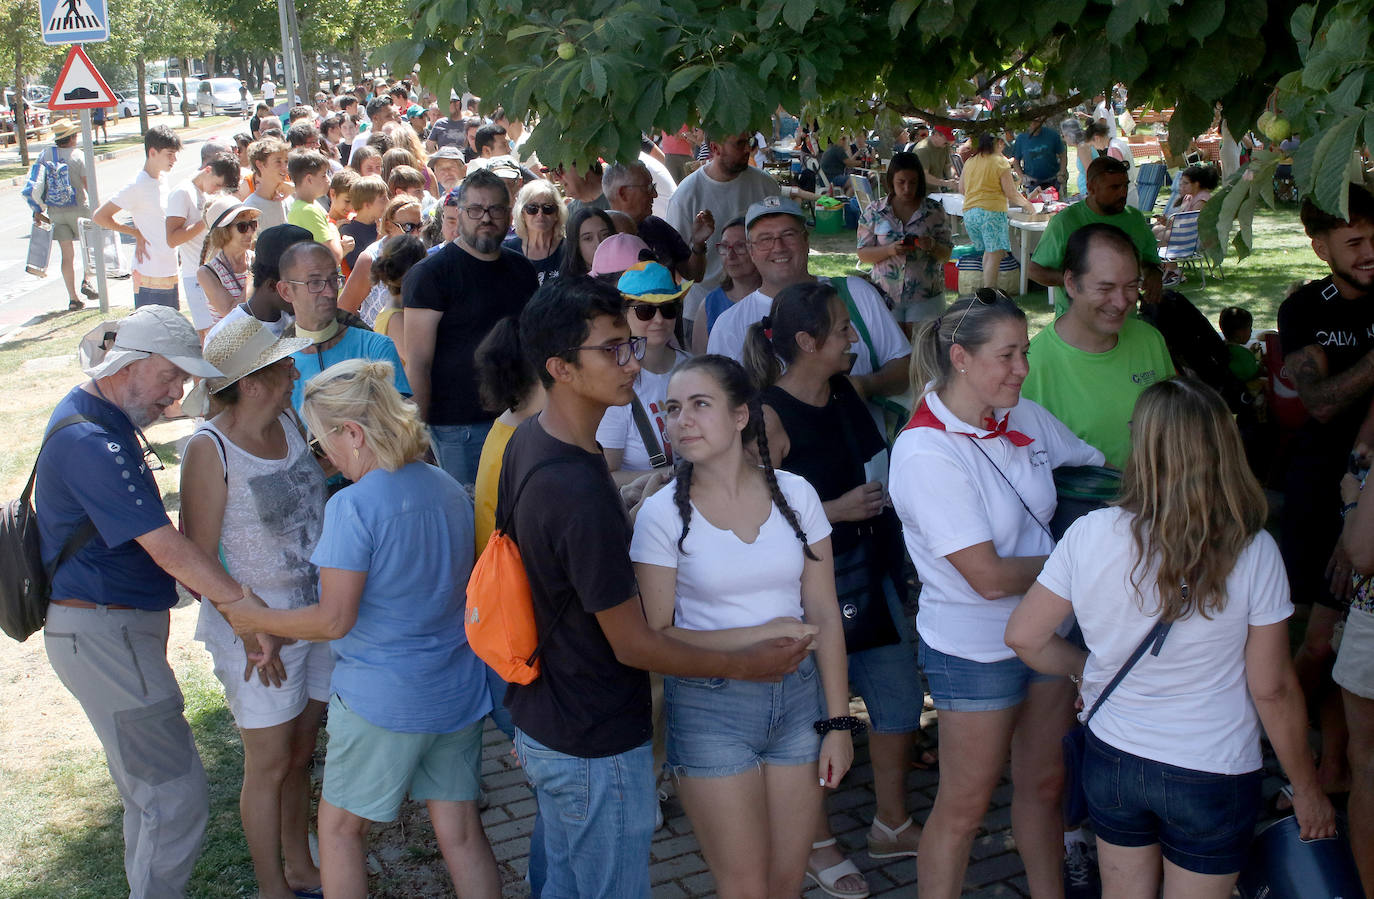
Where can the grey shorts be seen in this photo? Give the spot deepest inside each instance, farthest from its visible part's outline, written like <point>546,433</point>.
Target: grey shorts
<point>1355,661</point>
<point>64,221</point>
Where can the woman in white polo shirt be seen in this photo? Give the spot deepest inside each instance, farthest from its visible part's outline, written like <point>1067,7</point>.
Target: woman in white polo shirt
<point>972,481</point>
<point>1172,769</point>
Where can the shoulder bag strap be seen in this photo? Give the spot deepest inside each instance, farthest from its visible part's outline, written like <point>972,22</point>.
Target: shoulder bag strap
<point>657,458</point>
<point>83,534</point>
<point>841,285</point>
<point>1033,516</point>
<point>1156,637</point>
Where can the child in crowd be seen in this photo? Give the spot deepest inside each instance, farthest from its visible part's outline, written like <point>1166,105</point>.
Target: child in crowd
<point>405,179</point>
<point>1236,325</point>
<point>368,198</point>
<point>268,160</point>
<point>340,196</point>
<point>310,173</point>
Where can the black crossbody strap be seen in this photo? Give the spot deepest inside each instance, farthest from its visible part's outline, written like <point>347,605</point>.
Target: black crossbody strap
<point>1156,638</point>
<point>83,534</point>
<point>657,458</point>
<point>1033,516</point>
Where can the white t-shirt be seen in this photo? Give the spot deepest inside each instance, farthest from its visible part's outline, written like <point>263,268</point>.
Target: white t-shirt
<point>269,92</point>
<point>723,582</point>
<point>618,429</point>
<point>188,201</point>
<point>726,200</point>
<point>1189,706</point>
<point>949,498</point>
<point>145,198</point>
<point>277,327</point>
<point>273,211</point>
<point>663,183</point>
<point>731,328</point>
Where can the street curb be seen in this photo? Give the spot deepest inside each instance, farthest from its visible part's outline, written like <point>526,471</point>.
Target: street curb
<point>193,132</point>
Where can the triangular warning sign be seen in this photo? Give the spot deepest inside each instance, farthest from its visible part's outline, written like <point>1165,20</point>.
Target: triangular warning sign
<point>80,85</point>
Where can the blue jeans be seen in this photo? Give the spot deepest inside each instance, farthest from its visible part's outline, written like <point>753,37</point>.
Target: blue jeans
<point>459,449</point>
<point>157,296</point>
<point>598,820</point>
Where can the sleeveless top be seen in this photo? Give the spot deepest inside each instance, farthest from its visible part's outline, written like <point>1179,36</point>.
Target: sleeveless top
<point>819,450</point>
<point>273,516</point>
<point>233,283</point>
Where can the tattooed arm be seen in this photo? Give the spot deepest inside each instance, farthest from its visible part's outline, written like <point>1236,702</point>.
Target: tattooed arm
<point>1323,394</point>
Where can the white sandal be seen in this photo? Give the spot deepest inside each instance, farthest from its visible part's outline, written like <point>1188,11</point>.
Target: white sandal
<point>884,844</point>
<point>827,878</point>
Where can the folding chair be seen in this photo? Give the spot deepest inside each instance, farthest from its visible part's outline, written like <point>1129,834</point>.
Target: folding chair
<point>1182,247</point>
<point>1148,182</point>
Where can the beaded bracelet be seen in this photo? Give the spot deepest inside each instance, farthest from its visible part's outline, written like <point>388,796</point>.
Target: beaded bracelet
<point>843,722</point>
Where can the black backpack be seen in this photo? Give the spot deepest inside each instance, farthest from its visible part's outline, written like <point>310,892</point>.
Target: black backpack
<point>24,579</point>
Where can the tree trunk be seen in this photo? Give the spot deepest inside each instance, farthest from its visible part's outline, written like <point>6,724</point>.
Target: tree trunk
<point>355,60</point>
<point>185,98</point>
<point>21,117</point>
<point>142,92</point>
<point>210,63</point>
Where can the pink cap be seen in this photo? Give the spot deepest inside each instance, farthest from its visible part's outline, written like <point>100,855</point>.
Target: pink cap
<point>616,254</point>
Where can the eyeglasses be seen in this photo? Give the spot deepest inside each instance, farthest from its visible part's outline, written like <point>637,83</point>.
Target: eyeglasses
<point>738,248</point>
<point>651,188</point>
<point>766,242</point>
<point>536,208</point>
<point>986,296</point>
<point>645,311</point>
<point>621,352</point>
<point>408,227</point>
<point>247,227</point>
<point>316,448</point>
<point>318,285</point>
<point>475,211</point>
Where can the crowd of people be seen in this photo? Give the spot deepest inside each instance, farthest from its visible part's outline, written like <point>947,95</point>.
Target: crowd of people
<point>727,478</point>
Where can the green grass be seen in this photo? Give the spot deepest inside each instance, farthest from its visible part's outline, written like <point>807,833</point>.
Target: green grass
<point>62,827</point>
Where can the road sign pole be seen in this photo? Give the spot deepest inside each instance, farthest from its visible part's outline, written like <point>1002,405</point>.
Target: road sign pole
<point>96,232</point>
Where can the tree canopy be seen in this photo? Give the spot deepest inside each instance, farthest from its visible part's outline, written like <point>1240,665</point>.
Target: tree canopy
<point>600,72</point>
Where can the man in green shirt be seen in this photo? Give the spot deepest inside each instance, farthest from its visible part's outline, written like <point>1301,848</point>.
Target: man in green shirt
<point>1106,202</point>
<point>1091,364</point>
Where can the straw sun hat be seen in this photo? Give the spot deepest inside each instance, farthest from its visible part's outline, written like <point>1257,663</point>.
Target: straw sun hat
<point>239,349</point>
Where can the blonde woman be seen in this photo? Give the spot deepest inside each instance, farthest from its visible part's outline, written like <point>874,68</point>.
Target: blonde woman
<point>360,293</point>
<point>253,496</point>
<point>226,256</point>
<point>1173,770</point>
<point>540,222</point>
<point>407,694</point>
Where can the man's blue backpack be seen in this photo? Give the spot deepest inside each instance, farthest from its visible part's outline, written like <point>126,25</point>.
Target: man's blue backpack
<point>58,191</point>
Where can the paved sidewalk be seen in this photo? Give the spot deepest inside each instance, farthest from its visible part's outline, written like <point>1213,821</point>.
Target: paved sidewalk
<point>126,128</point>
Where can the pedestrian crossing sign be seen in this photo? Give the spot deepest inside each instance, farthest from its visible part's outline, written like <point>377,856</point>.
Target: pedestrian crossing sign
<point>74,21</point>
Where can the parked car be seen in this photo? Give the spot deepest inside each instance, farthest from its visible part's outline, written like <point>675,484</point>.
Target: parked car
<point>127,107</point>
<point>168,93</point>
<point>219,96</point>
<point>38,94</point>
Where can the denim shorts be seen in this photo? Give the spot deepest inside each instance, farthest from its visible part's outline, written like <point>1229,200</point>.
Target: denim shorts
<point>987,230</point>
<point>719,727</point>
<point>369,770</point>
<point>1202,822</point>
<point>156,296</point>
<point>888,680</point>
<point>962,685</point>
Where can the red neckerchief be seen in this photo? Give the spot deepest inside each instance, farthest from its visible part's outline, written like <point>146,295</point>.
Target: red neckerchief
<point>924,418</point>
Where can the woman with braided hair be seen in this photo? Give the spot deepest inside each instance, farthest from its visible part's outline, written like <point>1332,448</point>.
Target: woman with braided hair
<point>733,554</point>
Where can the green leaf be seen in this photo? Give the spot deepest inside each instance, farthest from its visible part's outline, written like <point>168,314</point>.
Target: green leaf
<point>598,70</point>
<point>1300,26</point>
<point>1332,161</point>
<point>768,14</point>
<point>1345,98</point>
<point>900,14</point>
<point>1202,17</point>
<point>806,75</point>
<point>516,34</point>
<point>770,62</point>
<point>797,13</point>
<point>706,99</point>
<point>683,79</point>
<point>647,106</point>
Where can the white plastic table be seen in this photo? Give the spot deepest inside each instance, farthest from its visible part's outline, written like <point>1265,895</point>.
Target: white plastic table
<point>1026,229</point>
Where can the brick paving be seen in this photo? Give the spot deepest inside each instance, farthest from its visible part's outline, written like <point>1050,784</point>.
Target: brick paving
<point>677,869</point>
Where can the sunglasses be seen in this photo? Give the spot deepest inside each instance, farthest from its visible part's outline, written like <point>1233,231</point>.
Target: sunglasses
<point>408,227</point>
<point>986,296</point>
<point>316,448</point>
<point>536,208</point>
<point>247,227</point>
<point>645,311</point>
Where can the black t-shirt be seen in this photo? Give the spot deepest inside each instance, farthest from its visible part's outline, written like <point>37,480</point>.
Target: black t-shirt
<point>819,450</point>
<point>574,539</point>
<point>669,248</point>
<point>545,268</point>
<point>1344,329</point>
<point>363,235</point>
<point>473,296</point>
<point>833,161</point>
<point>448,132</point>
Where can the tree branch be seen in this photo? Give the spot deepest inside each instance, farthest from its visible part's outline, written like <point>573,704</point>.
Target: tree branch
<point>1019,116</point>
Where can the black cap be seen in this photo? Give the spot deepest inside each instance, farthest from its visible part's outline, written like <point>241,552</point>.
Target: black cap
<point>272,243</point>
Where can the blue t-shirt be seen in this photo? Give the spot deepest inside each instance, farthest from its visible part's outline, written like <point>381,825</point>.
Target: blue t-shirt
<point>1039,153</point>
<point>715,303</point>
<point>96,469</point>
<point>356,344</point>
<point>406,665</point>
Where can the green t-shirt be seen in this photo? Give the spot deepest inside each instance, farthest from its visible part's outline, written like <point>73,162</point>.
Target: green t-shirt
<point>1242,362</point>
<point>1095,393</point>
<point>311,217</point>
<point>1050,252</point>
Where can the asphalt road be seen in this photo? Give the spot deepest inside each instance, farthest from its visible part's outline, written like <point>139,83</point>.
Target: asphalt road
<point>24,296</point>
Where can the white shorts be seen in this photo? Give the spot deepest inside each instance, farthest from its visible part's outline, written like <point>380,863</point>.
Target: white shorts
<point>201,317</point>
<point>1355,660</point>
<point>308,669</point>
